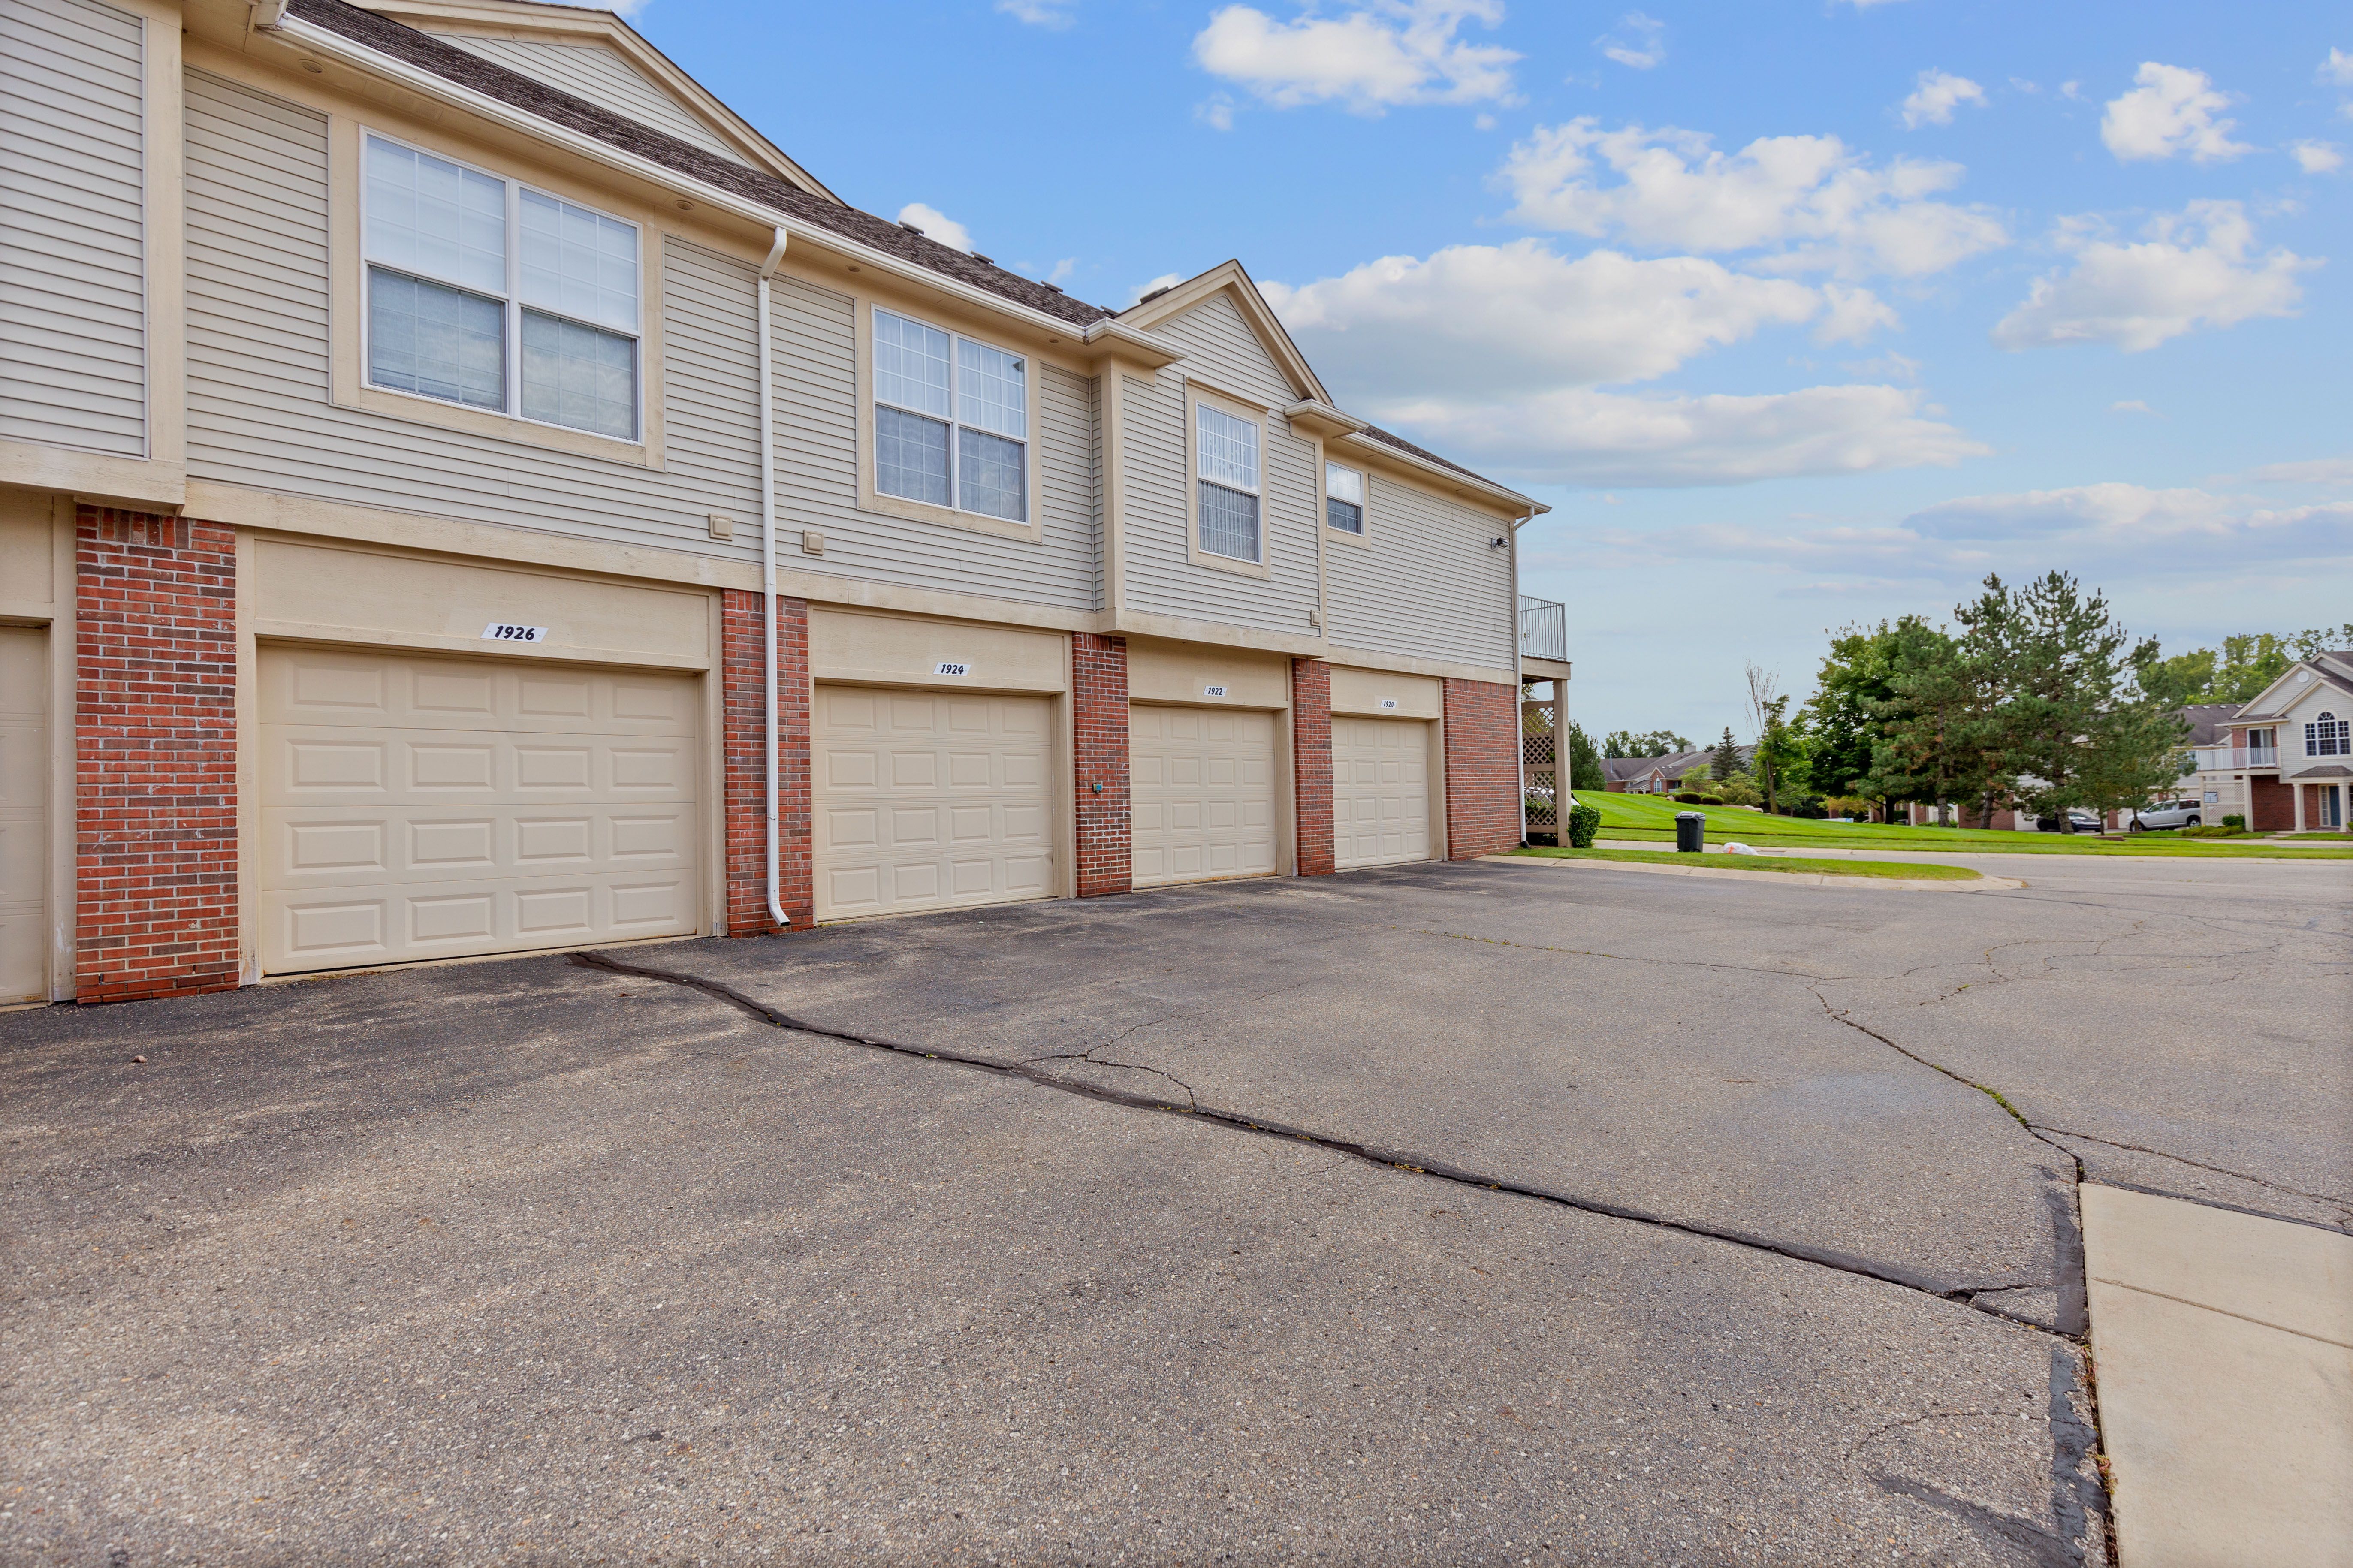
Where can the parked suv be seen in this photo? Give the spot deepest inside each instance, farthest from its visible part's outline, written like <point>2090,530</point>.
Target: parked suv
<point>2168,814</point>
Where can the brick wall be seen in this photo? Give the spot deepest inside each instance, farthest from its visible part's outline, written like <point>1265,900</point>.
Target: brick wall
<point>2270,806</point>
<point>155,756</point>
<point>1483,768</point>
<point>1310,758</point>
<point>744,692</point>
<point>1099,724</point>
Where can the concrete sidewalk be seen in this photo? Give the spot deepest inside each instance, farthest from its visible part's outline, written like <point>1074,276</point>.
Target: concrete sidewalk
<point>2223,1348</point>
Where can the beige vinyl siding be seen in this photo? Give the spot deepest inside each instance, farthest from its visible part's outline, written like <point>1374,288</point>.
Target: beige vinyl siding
<point>1161,579</point>
<point>1426,584</point>
<point>1221,348</point>
<point>73,347</point>
<point>602,77</point>
<point>258,408</point>
<point>816,477</point>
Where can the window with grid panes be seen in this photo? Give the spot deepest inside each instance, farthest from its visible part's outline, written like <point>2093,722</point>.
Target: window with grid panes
<point>1226,471</point>
<point>951,420</point>
<point>484,292</point>
<point>1343,499</point>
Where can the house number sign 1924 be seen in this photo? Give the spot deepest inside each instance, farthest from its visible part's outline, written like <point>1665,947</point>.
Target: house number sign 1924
<point>952,667</point>
<point>499,631</point>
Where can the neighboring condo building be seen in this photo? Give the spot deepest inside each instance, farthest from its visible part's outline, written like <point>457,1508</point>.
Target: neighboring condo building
<point>389,443</point>
<point>2286,760</point>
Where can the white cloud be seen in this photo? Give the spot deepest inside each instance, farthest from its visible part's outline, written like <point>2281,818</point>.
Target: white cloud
<point>1852,315</point>
<point>1063,271</point>
<point>2171,111</point>
<point>936,225</point>
<point>1166,280</point>
<point>2316,157</point>
<point>1216,113</point>
<point>2313,471</point>
<point>2193,269</point>
<point>1055,13</point>
<point>1520,317</point>
<point>2130,405</point>
<point>2118,530</point>
<point>1495,353</point>
<point>1640,41</point>
<point>1576,436</point>
<point>2338,69</point>
<point>1808,200</point>
<point>1936,96</point>
<point>1384,54</point>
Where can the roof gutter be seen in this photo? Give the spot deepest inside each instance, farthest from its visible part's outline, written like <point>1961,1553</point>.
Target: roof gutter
<point>294,30</point>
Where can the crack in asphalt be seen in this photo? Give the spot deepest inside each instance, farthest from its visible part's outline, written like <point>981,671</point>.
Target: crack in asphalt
<point>1192,1101</point>
<point>1399,1160</point>
<point>2337,1199</point>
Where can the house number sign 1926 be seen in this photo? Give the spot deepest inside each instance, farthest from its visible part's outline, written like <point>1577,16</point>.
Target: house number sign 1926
<point>499,631</point>
<point>952,667</point>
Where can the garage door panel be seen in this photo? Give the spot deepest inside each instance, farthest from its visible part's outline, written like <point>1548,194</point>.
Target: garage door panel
<point>1380,791</point>
<point>421,808</point>
<point>931,800</point>
<point>1202,782</point>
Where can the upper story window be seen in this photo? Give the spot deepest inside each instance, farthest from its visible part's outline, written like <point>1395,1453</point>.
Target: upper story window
<point>2329,736</point>
<point>485,292</point>
<point>1226,465</point>
<point>951,420</point>
<point>1343,499</point>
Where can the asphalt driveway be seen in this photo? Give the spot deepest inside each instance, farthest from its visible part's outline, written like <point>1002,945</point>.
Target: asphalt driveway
<point>1463,1212</point>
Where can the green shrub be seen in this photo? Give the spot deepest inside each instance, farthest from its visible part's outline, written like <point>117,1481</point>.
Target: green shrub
<point>1584,822</point>
<point>2234,820</point>
<point>1689,797</point>
<point>2225,831</point>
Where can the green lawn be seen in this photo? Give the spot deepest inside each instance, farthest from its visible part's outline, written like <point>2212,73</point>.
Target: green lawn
<point>1916,873</point>
<point>1653,818</point>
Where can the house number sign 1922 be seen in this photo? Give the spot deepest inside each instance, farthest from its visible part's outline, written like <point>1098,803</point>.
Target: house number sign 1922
<point>499,631</point>
<point>951,667</point>
<point>1213,691</point>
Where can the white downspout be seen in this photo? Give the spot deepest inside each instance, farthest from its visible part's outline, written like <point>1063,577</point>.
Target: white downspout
<point>769,587</point>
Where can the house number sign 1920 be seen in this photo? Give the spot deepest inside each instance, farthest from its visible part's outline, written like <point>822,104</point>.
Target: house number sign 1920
<point>499,631</point>
<point>952,667</point>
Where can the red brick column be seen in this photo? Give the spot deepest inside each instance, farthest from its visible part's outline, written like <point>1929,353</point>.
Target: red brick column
<point>155,756</point>
<point>1483,768</point>
<point>742,694</point>
<point>1311,763</point>
<point>1099,726</point>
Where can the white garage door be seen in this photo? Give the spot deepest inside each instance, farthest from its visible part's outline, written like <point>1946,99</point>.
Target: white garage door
<point>929,800</point>
<point>1203,783</point>
<point>24,815</point>
<point>418,807</point>
<point>1380,791</point>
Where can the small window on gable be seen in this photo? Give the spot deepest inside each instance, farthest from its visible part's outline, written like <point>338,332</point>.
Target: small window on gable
<point>1226,467</point>
<point>1343,499</point>
<point>548,328</point>
<point>2329,736</point>
<point>951,420</point>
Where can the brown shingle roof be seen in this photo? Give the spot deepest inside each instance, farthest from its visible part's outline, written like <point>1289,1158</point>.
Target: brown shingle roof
<point>428,53</point>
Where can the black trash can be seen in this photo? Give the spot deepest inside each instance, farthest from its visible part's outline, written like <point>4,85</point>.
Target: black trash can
<point>1691,832</point>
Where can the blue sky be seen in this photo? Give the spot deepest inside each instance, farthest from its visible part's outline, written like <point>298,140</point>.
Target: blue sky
<point>1797,314</point>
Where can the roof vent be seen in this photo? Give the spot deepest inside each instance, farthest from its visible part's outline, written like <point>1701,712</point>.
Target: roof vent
<point>977,256</point>
<point>1155,294</point>
<point>1054,286</point>
<point>911,229</point>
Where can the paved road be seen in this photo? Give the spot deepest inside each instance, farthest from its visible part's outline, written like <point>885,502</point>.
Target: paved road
<point>538,1262</point>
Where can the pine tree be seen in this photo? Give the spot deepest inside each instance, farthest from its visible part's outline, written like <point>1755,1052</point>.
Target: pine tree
<point>2078,727</point>
<point>1725,761</point>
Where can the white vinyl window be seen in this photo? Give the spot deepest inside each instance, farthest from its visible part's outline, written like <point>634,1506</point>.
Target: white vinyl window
<point>1224,465</point>
<point>951,420</point>
<point>485,292</point>
<point>2329,736</point>
<point>1343,499</point>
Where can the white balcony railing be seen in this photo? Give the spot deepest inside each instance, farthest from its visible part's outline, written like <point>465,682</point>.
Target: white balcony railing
<point>1543,629</point>
<point>2223,759</point>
